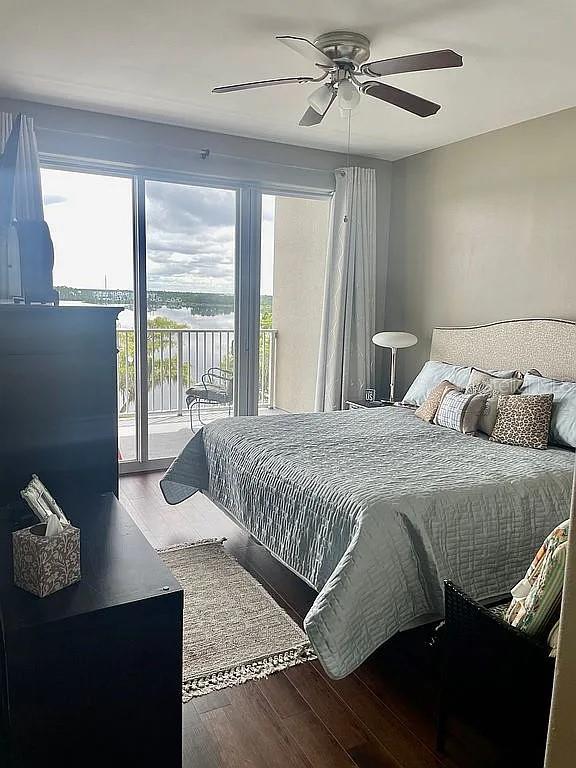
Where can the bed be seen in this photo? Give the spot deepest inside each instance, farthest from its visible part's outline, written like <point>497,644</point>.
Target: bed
<point>375,508</point>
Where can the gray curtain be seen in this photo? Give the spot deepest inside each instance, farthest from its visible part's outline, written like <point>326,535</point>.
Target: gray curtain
<point>346,355</point>
<point>27,200</point>
<point>20,193</point>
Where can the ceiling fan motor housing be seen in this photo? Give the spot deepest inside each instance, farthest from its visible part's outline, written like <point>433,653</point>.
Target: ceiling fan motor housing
<point>344,48</point>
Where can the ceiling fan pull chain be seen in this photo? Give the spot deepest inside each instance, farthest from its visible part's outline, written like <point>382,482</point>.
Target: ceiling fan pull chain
<point>347,197</point>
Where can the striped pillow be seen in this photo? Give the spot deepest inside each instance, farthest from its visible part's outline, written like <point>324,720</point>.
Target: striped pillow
<point>459,411</point>
<point>536,599</point>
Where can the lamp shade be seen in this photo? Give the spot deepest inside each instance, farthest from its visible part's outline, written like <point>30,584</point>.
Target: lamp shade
<point>348,96</point>
<point>394,339</point>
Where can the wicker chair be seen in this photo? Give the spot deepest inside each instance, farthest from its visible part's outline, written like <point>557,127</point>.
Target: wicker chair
<point>215,388</point>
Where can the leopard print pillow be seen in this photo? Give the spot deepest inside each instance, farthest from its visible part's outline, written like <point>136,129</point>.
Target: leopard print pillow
<point>523,420</point>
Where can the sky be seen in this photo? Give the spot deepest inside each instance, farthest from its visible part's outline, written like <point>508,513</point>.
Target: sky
<point>189,234</point>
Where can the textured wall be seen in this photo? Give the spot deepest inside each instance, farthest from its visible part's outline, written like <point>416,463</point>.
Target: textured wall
<point>484,230</point>
<point>300,241</point>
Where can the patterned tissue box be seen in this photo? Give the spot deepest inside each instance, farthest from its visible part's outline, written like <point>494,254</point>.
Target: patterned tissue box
<point>44,565</point>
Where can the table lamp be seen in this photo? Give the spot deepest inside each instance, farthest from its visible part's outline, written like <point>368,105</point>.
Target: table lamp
<point>394,340</point>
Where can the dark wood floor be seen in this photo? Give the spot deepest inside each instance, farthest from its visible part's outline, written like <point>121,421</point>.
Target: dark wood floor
<point>380,717</point>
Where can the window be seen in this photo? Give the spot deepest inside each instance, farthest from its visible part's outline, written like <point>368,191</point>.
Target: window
<point>177,333</point>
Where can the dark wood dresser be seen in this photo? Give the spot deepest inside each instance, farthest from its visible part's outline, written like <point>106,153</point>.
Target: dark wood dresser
<point>58,399</point>
<point>93,673</point>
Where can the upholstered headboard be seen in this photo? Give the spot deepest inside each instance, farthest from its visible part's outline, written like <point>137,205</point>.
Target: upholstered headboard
<point>545,344</point>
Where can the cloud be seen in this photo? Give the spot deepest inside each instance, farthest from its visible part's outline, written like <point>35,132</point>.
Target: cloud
<point>49,199</point>
<point>190,237</point>
<point>268,207</point>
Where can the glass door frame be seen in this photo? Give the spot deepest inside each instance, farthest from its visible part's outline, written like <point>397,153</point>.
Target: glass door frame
<point>247,261</point>
<point>143,463</point>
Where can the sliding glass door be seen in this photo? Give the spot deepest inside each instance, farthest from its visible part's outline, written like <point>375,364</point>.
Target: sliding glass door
<point>190,310</point>
<point>221,289</point>
<point>90,220</point>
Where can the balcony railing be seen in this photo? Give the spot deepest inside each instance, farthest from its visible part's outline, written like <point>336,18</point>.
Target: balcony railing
<point>178,358</point>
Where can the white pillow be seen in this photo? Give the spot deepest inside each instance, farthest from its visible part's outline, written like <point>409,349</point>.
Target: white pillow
<point>432,374</point>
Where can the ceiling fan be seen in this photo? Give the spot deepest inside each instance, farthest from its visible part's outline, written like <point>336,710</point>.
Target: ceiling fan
<point>342,58</point>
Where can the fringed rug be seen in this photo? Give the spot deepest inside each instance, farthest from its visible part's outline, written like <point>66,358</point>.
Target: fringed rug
<point>233,629</point>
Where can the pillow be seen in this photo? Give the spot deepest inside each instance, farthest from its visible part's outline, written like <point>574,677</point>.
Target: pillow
<point>536,599</point>
<point>434,373</point>
<point>563,422</point>
<point>460,411</point>
<point>428,409</point>
<point>554,639</point>
<point>523,420</point>
<point>482,383</point>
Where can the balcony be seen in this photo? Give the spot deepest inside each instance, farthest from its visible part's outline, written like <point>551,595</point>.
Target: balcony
<point>177,359</point>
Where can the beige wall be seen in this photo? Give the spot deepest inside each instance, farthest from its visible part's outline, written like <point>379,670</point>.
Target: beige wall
<point>484,230</point>
<point>300,240</point>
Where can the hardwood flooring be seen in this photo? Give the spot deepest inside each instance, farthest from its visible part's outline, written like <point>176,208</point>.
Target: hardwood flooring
<point>382,716</point>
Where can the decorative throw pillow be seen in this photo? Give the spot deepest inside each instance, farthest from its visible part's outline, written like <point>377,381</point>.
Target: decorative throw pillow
<point>460,411</point>
<point>523,420</point>
<point>536,599</point>
<point>434,373</point>
<point>428,409</point>
<point>563,421</point>
<point>482,383</point>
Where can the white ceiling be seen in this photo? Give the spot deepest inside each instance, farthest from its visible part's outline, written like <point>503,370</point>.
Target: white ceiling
<point>160,61</point>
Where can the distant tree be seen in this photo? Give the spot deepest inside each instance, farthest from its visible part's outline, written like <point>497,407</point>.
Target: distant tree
<point>163,362</point>
<point>162,367</point>
<point>265,319</point>
<point>227,362</point>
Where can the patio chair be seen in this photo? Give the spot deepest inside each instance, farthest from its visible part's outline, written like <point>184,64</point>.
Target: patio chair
<point>215,388</point>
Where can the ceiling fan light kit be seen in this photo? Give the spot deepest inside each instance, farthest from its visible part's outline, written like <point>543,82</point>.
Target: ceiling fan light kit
<point>343,58</point>
<point>348,95</point>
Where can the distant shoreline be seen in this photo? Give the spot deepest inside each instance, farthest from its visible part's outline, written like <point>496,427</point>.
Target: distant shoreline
<point>207,304</point>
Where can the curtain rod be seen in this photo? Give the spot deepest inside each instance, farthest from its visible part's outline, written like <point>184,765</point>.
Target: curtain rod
<point>205,153</point>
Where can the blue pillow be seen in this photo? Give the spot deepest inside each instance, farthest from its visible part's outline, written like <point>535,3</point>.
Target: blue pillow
<point>432,374</point>
<point>563,422</point>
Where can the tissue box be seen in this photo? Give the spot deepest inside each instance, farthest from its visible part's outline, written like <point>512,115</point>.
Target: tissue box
<point>44,565</point>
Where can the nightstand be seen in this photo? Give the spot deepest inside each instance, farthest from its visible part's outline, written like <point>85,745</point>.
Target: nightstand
<point>359,404</point>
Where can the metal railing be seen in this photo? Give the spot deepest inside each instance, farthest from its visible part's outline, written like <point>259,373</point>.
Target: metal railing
<point>178,358</point>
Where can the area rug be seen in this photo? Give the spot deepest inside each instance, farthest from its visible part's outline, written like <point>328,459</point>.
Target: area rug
<point>233,630</point>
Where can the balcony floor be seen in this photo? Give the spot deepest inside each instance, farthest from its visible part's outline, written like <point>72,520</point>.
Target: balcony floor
<point>168,433</point>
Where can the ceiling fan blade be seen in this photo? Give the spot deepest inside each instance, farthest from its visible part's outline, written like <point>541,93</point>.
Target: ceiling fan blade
<point>307,49</point>
<point>398,98</point>
<point>414,63</point>
<point>312,117</point>
<point>263,84</point>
